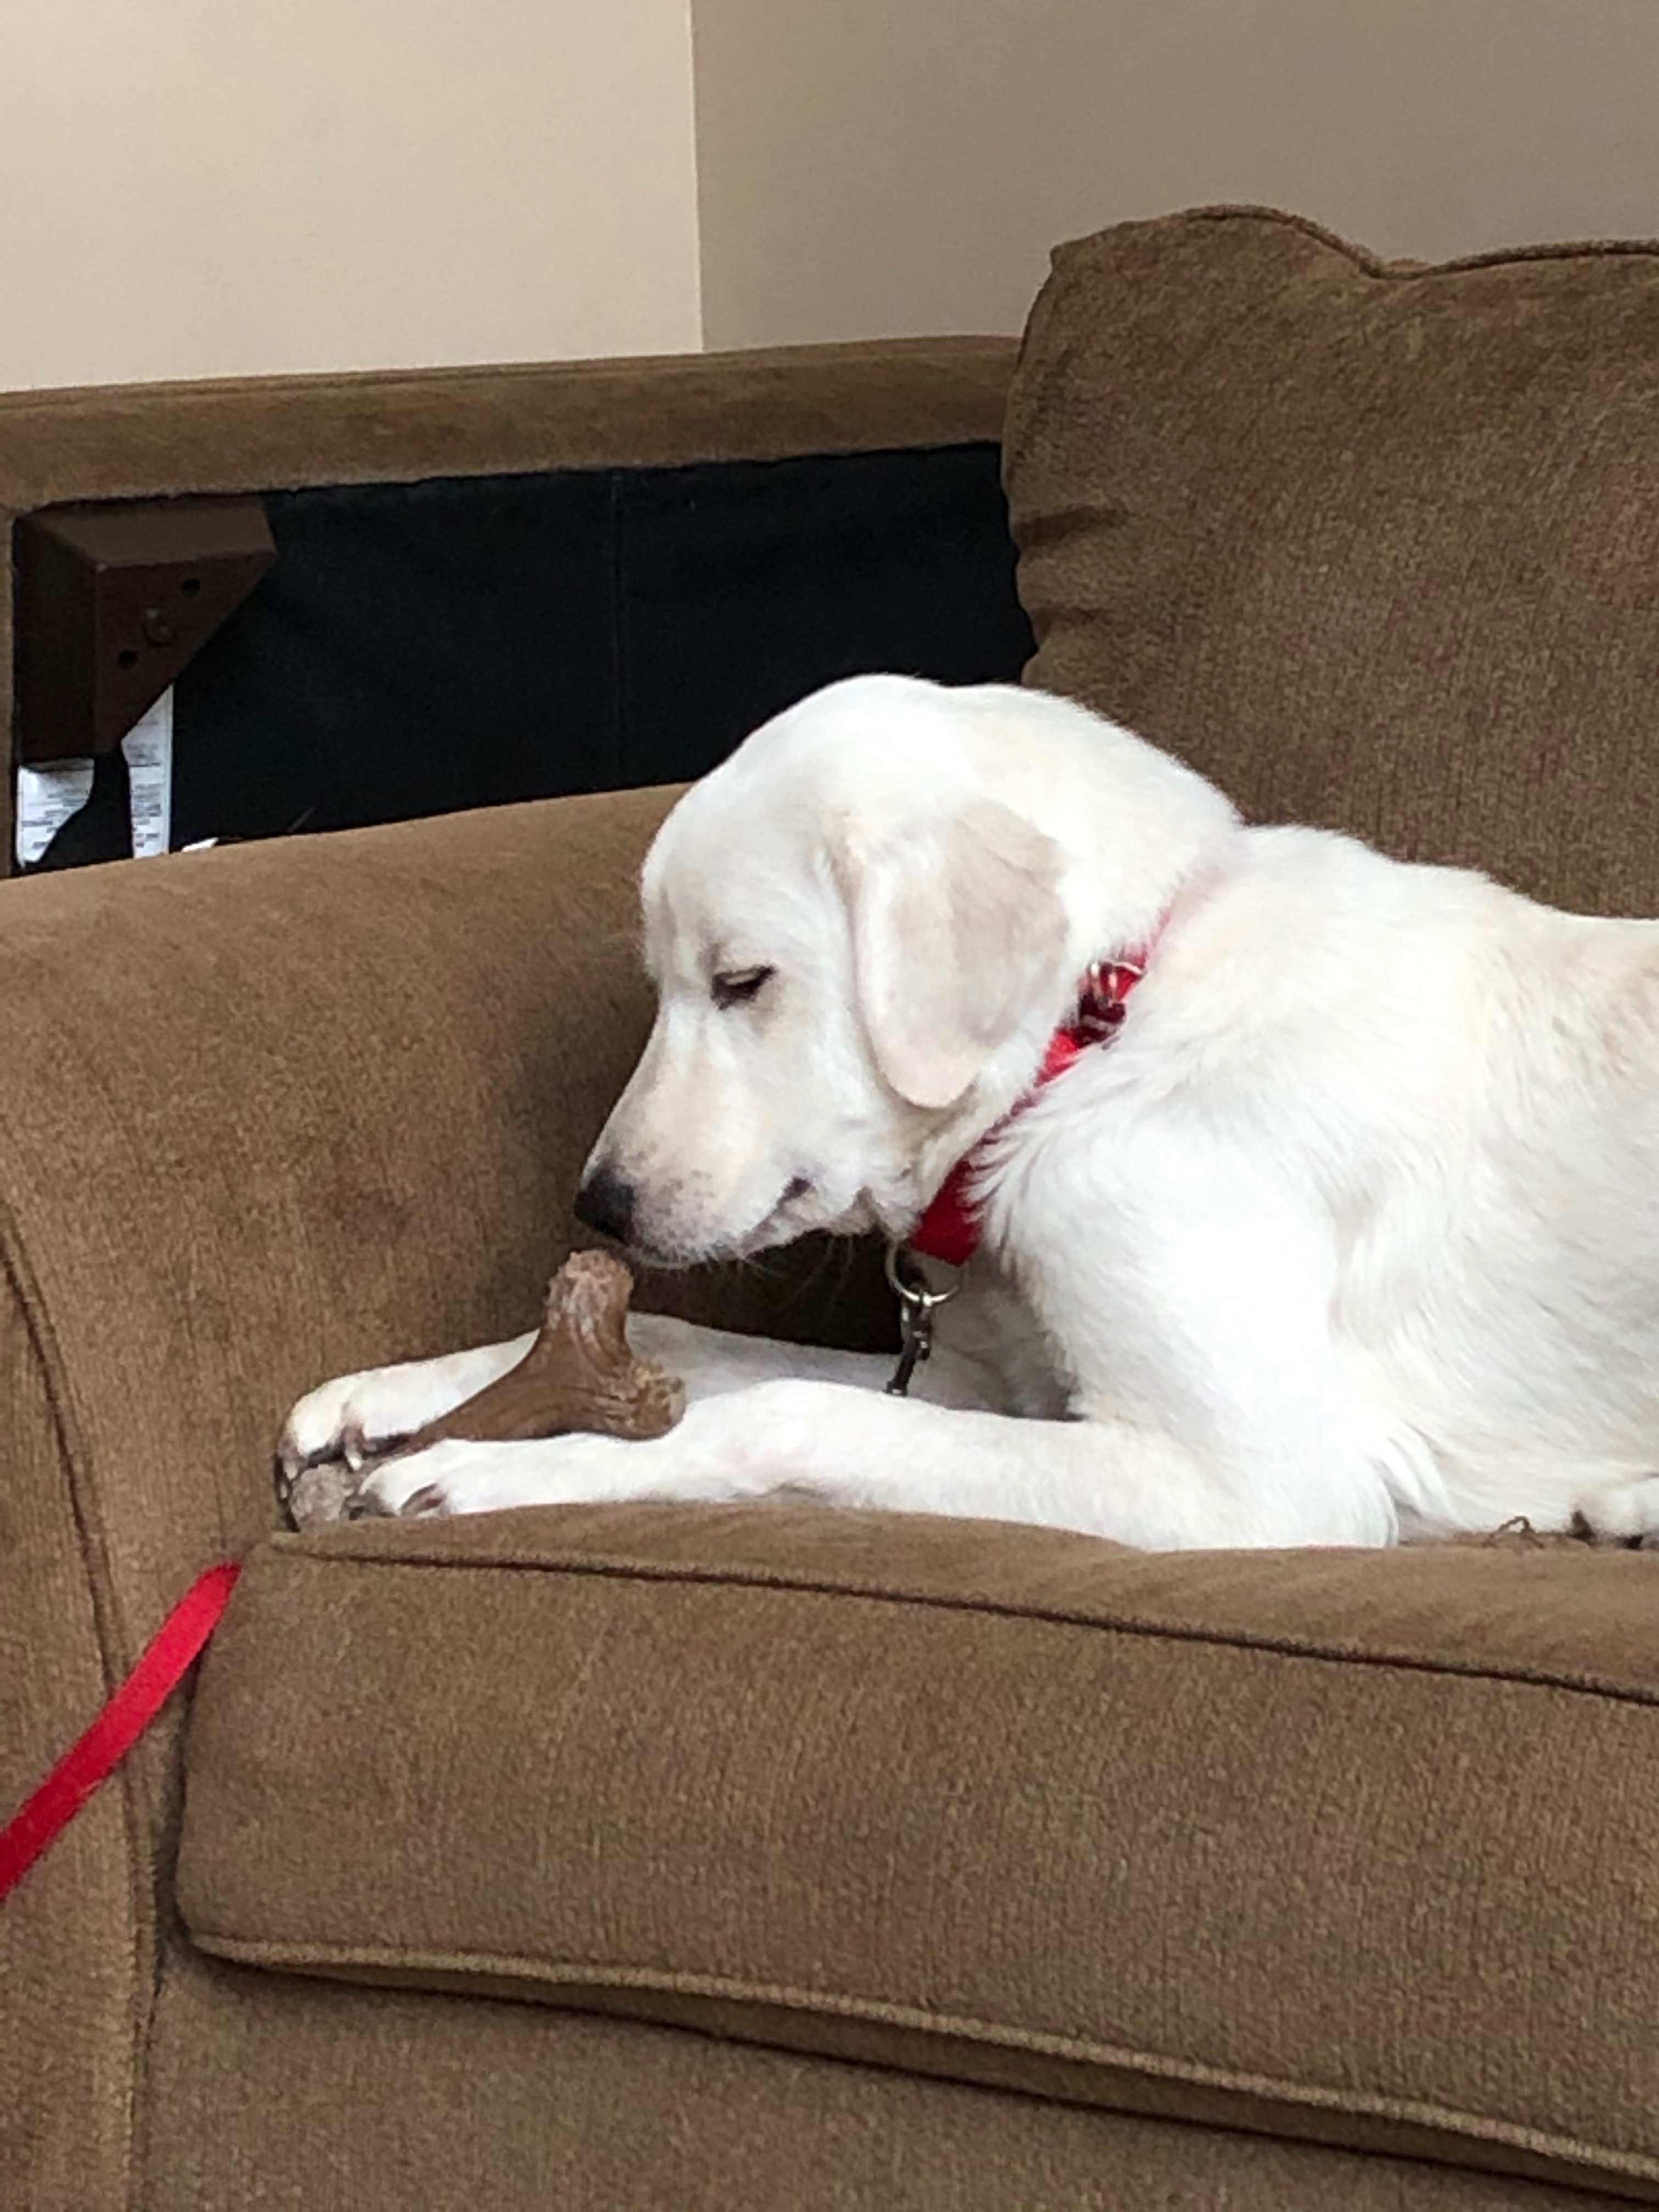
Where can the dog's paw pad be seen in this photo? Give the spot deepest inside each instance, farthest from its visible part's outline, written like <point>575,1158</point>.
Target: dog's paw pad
<point>318,1495</point>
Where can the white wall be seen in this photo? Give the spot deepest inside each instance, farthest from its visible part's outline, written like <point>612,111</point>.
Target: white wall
<point>870,166</point>
<point>205,187</point>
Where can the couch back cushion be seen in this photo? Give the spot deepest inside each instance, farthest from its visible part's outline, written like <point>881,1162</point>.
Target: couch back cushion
<point>1374,545</point>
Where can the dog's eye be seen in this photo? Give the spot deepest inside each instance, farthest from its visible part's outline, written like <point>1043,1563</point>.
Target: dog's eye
<point>738,985</point>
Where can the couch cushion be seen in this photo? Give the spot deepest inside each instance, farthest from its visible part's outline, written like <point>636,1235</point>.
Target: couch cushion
<point>1369,543</point>
<point>269,2092</point>
<point>1352,1847</point>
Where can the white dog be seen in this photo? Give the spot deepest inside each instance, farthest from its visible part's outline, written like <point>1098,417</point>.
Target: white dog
<point>1346,1233</point>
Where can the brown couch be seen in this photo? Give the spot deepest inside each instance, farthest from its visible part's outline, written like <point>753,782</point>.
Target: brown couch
<point>713,1858</point>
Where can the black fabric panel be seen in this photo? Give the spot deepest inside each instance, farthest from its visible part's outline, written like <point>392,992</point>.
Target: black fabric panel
<point>416,648</point>
<point>419,648</point>
<point>746,586</point>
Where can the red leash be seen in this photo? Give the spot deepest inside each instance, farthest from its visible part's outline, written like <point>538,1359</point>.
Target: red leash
<point>948,1230</point>
<point>166,1660</point>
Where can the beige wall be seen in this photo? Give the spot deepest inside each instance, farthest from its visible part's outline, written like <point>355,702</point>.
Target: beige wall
<point>213,187</point>
<point>883,166</point>
<point>203,187</point>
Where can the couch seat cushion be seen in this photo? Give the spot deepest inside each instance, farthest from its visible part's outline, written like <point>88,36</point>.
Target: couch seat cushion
<point>1355,1846</point>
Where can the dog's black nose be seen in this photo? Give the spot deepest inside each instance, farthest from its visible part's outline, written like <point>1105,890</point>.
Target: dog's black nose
<point>605,1202</point>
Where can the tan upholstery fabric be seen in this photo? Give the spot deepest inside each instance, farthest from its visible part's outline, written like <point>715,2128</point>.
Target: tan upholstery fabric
<point>1356,1846</point>
<point>1205,1851</point>
<point>293,2096</point>
<point>266,1115</point>
<point>1371,544</point>
<point>256,434</point>
<point>76,1955</point>
<point>267,434</point>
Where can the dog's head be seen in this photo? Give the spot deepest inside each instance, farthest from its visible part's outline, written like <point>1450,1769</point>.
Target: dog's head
<point>853,945</point>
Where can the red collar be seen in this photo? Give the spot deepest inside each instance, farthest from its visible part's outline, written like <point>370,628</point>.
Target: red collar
<point>949,1228</point>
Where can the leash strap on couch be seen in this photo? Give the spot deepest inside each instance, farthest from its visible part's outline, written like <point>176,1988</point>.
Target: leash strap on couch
<point>94,1756</point>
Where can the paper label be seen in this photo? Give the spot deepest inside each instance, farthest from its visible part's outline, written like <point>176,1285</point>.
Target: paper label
<point>46,797</point>
<point>148,749</point>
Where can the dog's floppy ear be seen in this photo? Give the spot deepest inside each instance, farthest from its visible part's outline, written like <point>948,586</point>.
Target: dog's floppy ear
<point>957,931</point>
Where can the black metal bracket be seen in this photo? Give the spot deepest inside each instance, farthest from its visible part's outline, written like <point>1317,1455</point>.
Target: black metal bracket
<point>112,601</point>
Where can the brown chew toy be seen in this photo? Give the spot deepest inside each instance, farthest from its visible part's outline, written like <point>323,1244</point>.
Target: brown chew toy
<point>579,1374</point>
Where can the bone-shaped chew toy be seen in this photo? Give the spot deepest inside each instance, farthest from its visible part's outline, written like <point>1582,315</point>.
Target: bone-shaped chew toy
<point>580,1373</point>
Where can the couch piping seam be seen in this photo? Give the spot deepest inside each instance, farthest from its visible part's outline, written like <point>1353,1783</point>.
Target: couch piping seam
<point>1395,270</point>
<point>989,2034</point>
<point>93,1546</point>
<point>1000,1608</point>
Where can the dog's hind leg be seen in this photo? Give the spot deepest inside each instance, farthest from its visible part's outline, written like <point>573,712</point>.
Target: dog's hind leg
<point>1624,1512</point>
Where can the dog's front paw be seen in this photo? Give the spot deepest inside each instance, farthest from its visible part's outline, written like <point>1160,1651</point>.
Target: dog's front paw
<point>342,1427</point>
<point>459,1475</point>
<point>355,1416</point>
<point>358,1418</point>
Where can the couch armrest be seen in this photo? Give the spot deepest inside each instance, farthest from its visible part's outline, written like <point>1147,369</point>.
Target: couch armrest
<point>265,1114</point>
<point>265,433</point>
<point>275,434</point>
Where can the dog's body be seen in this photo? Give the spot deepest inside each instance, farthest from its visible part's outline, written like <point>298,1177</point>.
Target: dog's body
<point>1348,1234</point>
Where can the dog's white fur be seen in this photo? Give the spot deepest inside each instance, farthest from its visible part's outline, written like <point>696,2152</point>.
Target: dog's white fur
<point>1349,1235</point>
